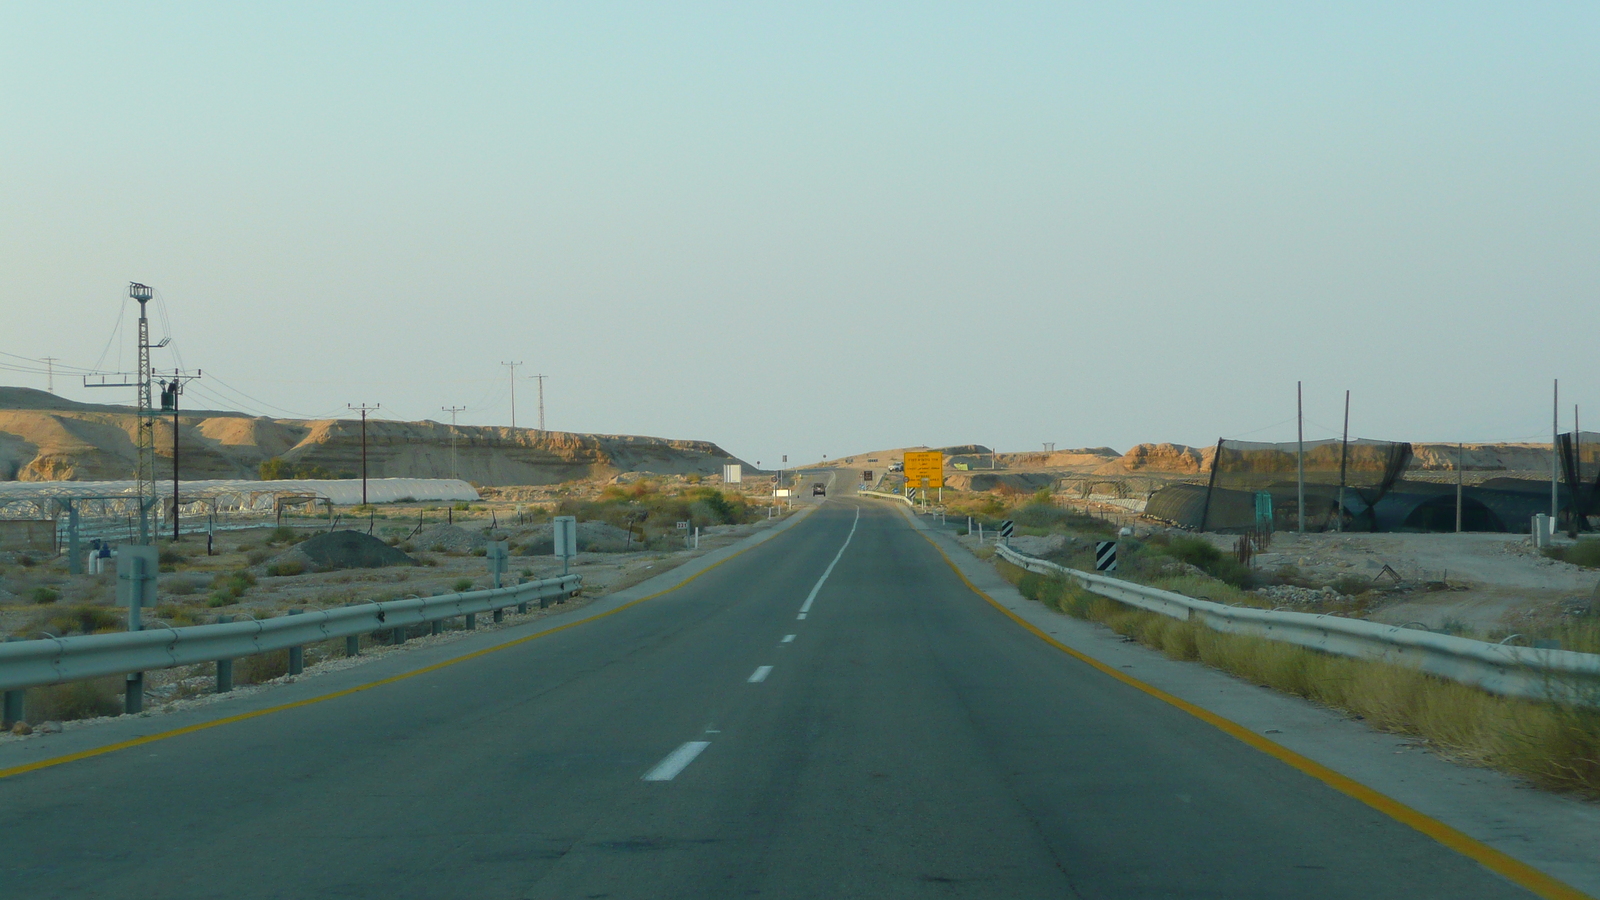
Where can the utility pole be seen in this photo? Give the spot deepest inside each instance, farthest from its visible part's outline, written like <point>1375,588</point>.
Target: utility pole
<point>1555,451</point>
<point>541,379</point>
<point>364,409</point>
<point>50,372</point>
<point>1344,458</point>
<point>169,400</point>
<point>1300,455</point>
<point>452,410</point>
<point>145,445</point>
<point>513,367</point>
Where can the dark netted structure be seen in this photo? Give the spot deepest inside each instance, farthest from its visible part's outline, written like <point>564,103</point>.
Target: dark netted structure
<point>1367,485</point>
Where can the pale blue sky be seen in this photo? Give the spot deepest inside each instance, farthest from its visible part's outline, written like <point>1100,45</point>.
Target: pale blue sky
<point>827,228</point>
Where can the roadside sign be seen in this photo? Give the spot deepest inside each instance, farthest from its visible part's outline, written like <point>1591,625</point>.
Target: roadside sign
<point>497,553</point>
<point>1007,528</point>
<point>1105,556</point>
<point>732,473</point>
<point>566,536</point>
<point>136,575</point>
<point>924,467</point>
<point>683,526</point>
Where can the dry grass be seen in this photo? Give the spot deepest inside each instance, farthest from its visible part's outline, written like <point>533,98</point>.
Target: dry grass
<point>75,700</point>
<point>1553,745</point>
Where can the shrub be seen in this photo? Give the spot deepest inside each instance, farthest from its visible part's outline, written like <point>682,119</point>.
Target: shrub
<point>43,595</point>
<point>83,619</point>
<point>230,586</point>
<point>261,667</point>
<point>170,557</point>
<point>463,584</point>
<point>1202,554</point>
<point>283,534</point>
<point>1583,553</point>
<point>75,700</point>
<point>478,551</point>
<point>182,586</point>
<point>462,507</point>
<point>257,557</point>
<point>278,469</point>
<point>286,568</point>
<point>24,560</point>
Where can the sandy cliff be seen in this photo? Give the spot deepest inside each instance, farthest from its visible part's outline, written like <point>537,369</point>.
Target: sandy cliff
<point>47,438</point>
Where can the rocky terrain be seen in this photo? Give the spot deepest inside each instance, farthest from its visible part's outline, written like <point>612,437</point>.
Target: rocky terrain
<point>48,438</point>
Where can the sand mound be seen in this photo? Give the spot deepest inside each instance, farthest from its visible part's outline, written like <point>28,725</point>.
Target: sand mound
<point>593,537</point>
<point>449,539</point>
<point>349,550</point>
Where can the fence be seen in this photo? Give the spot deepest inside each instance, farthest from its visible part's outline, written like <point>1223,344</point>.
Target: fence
<point>1523,672</point>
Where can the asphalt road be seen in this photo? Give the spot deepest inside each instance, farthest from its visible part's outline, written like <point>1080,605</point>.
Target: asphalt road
<point>907,741</point>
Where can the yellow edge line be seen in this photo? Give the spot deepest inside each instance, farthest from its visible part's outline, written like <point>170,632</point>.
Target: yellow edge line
<point>190,729</point>
<point>1490,858</point>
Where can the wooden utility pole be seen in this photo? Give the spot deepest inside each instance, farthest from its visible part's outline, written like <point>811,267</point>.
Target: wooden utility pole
<point>169,400</point>
<point>513,367</point>
<point>455,471</point>
<point>364,409</point>
<point>1300,455</point>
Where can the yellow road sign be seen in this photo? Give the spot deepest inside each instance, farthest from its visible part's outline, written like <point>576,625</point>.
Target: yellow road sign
<point>924,468</point>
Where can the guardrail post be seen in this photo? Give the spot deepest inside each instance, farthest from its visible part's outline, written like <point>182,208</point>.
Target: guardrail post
<point>297,653</point>
<point>13,709</point>
<point>133,698</point>
<point>352,645</point>
<point>224,666</point>
<point>437,626</point>
<point>472,621</point>
<point>397,636</point>
<point>499,615</point>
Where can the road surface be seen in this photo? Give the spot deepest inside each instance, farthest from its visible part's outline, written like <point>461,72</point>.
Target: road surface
<point>829,714</point>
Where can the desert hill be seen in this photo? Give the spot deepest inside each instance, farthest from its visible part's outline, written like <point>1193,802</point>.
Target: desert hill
<point>49,438</point>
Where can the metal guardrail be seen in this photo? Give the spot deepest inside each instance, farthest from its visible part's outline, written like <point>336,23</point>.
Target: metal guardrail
<point>45,661</point>
<point>1528,673</point>
<point>902,498</point>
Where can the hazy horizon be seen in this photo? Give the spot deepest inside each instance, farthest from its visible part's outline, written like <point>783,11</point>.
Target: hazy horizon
<point>819,231</point>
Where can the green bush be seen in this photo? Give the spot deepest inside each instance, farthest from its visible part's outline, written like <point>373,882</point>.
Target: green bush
<point>278,469</point>
<point>283,534</point>
<point>228,587</point>
<point>1583,553</point>
<point>286,567</point>
<point>463,584</point>
<point>82,619</point>
<point>43,595</point>
<point>1201,554</point>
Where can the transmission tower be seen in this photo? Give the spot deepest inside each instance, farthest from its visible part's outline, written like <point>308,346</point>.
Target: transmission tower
<point>145,466</point>
<point>541,379</point>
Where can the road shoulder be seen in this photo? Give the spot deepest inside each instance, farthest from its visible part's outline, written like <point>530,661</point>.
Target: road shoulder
<point>1554,834</point>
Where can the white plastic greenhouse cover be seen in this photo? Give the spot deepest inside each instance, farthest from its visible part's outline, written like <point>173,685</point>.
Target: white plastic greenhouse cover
<point>342,492</point>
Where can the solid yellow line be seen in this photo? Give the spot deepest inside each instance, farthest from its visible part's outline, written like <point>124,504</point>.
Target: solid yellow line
<point>190,729</point>
<point>1490,858</point>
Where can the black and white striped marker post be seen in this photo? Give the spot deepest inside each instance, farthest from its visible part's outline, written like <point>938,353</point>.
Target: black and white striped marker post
<point>1105,556</point>
<point>1006,529</point>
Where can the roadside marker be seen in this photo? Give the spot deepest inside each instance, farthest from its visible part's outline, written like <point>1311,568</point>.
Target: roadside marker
<point>1105,556</point>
